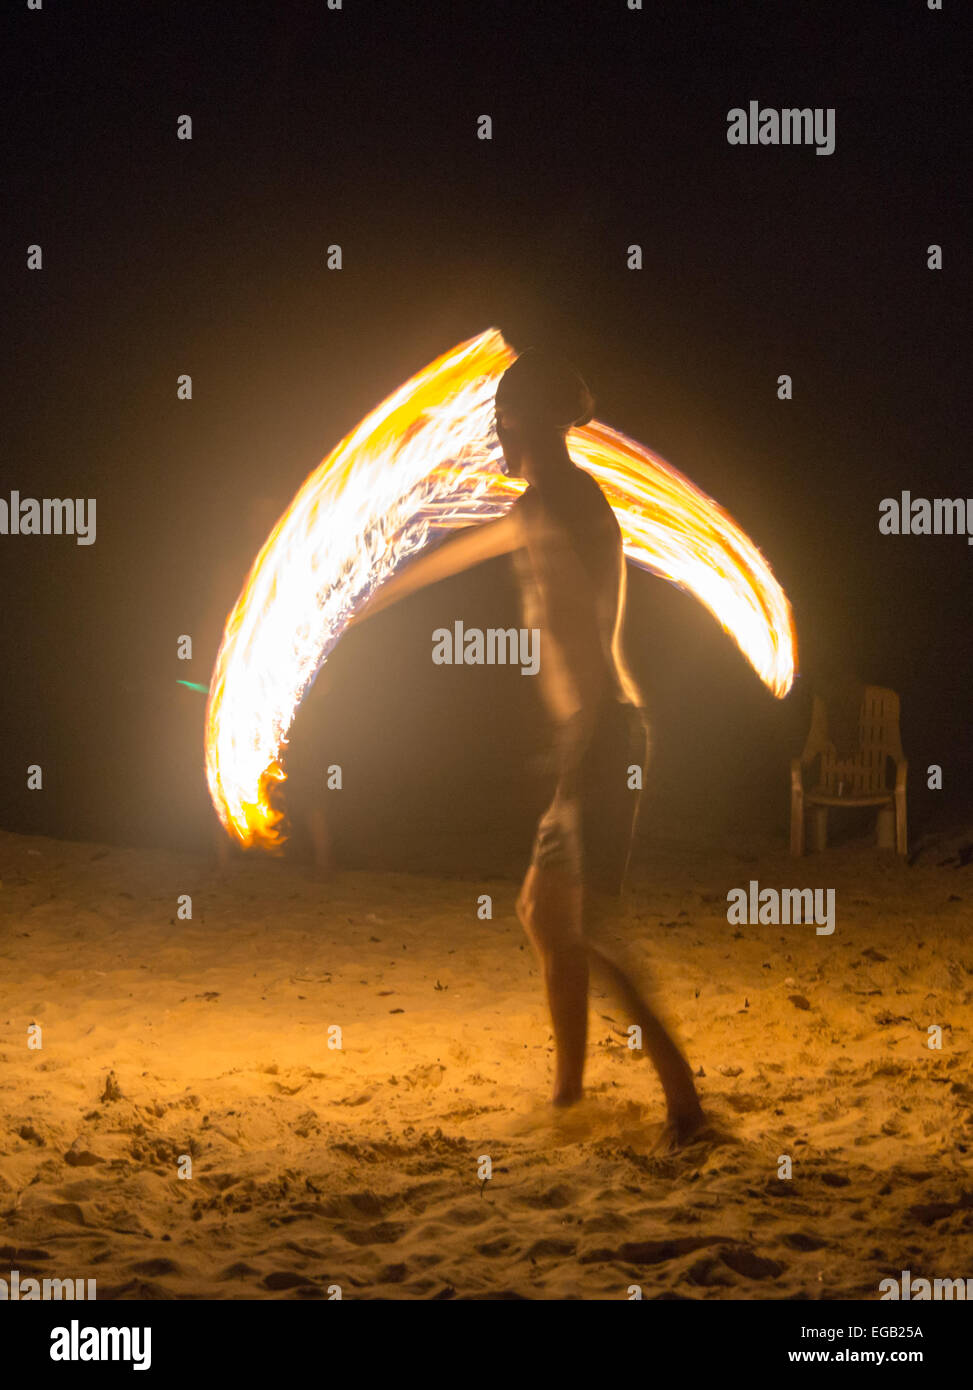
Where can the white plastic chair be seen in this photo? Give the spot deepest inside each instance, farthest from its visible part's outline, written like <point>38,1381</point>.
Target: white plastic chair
<point>861,780</point>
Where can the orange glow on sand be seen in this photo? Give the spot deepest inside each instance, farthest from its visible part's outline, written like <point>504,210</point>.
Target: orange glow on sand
<point>424,462</point>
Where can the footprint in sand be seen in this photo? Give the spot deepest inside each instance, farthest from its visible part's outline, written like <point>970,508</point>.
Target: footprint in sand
<point>156,1268</point>
<point>70,1212</point>
<point>551,1199</point>
<point>800,1240</point>
<point>750,1264</point>
<point>355,1205</point>
<point>466,1215</point>
<point>708,1273</point>
<point>383,1233</point>
<point>280,1279</point>
<point>81,1158</point>
<point>239,1270</point>
<point>492,1249</point>
<point>548,1248</point>
<point>648,1252</point>
<point>23,1254</point>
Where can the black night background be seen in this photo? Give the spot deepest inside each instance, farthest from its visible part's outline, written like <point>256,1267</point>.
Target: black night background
<point>208,256</point>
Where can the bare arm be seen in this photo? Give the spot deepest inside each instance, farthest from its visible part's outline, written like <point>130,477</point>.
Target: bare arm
<point>471,546</point>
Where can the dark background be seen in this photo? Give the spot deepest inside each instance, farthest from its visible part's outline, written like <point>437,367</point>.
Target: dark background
<point>310,127</point>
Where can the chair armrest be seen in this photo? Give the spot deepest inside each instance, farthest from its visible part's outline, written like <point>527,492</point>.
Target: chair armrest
<point>901,772</point>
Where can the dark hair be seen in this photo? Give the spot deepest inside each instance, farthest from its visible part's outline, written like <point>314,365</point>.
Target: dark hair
<point>540,388</point>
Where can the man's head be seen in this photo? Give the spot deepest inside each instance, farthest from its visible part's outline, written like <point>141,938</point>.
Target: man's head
<point>539,398</point>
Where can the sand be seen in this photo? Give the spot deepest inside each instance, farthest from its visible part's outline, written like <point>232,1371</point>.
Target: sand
<point>362,1167</point>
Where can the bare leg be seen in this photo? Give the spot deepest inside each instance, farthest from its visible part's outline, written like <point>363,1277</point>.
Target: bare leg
<point>675,1074</point>
<point>549,907</point>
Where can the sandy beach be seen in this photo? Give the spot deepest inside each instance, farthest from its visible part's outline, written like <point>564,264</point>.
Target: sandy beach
<point>360,1166</point>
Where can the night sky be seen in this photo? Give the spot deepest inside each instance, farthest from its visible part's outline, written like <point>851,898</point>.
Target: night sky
<point>310,127</point>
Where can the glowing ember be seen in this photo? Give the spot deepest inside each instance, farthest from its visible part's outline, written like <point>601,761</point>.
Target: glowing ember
<point>424,462</point>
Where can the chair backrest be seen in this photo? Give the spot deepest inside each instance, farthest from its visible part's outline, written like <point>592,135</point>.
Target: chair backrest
<point>865,773</point>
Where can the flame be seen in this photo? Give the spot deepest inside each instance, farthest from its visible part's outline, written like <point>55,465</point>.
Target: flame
<point>423,462</point>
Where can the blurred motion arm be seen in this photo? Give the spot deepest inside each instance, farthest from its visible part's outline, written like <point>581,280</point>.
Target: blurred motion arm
<point>471,546</point>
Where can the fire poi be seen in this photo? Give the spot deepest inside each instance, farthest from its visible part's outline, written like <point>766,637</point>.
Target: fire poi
<point>424,462</point>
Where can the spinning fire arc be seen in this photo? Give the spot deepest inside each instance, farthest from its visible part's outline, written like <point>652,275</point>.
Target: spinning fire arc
<point>424,462</point>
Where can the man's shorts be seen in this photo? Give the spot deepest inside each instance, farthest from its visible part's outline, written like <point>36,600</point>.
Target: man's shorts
<point>587,829</point>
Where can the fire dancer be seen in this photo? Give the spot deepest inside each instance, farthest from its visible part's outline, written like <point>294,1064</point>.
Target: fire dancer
<point>568,553</point>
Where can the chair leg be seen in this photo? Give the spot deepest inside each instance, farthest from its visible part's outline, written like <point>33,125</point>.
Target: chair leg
<point>885,828</point>
<point>819,828</point>
<point>797,822</point>
<point>901,826</point>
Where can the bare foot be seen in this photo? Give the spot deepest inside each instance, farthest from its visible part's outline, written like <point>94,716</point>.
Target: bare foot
<point>567,1095</point>
<point>682,1128</point>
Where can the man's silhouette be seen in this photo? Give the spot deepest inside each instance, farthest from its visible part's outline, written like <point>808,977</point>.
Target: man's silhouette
<point>568,553</point>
